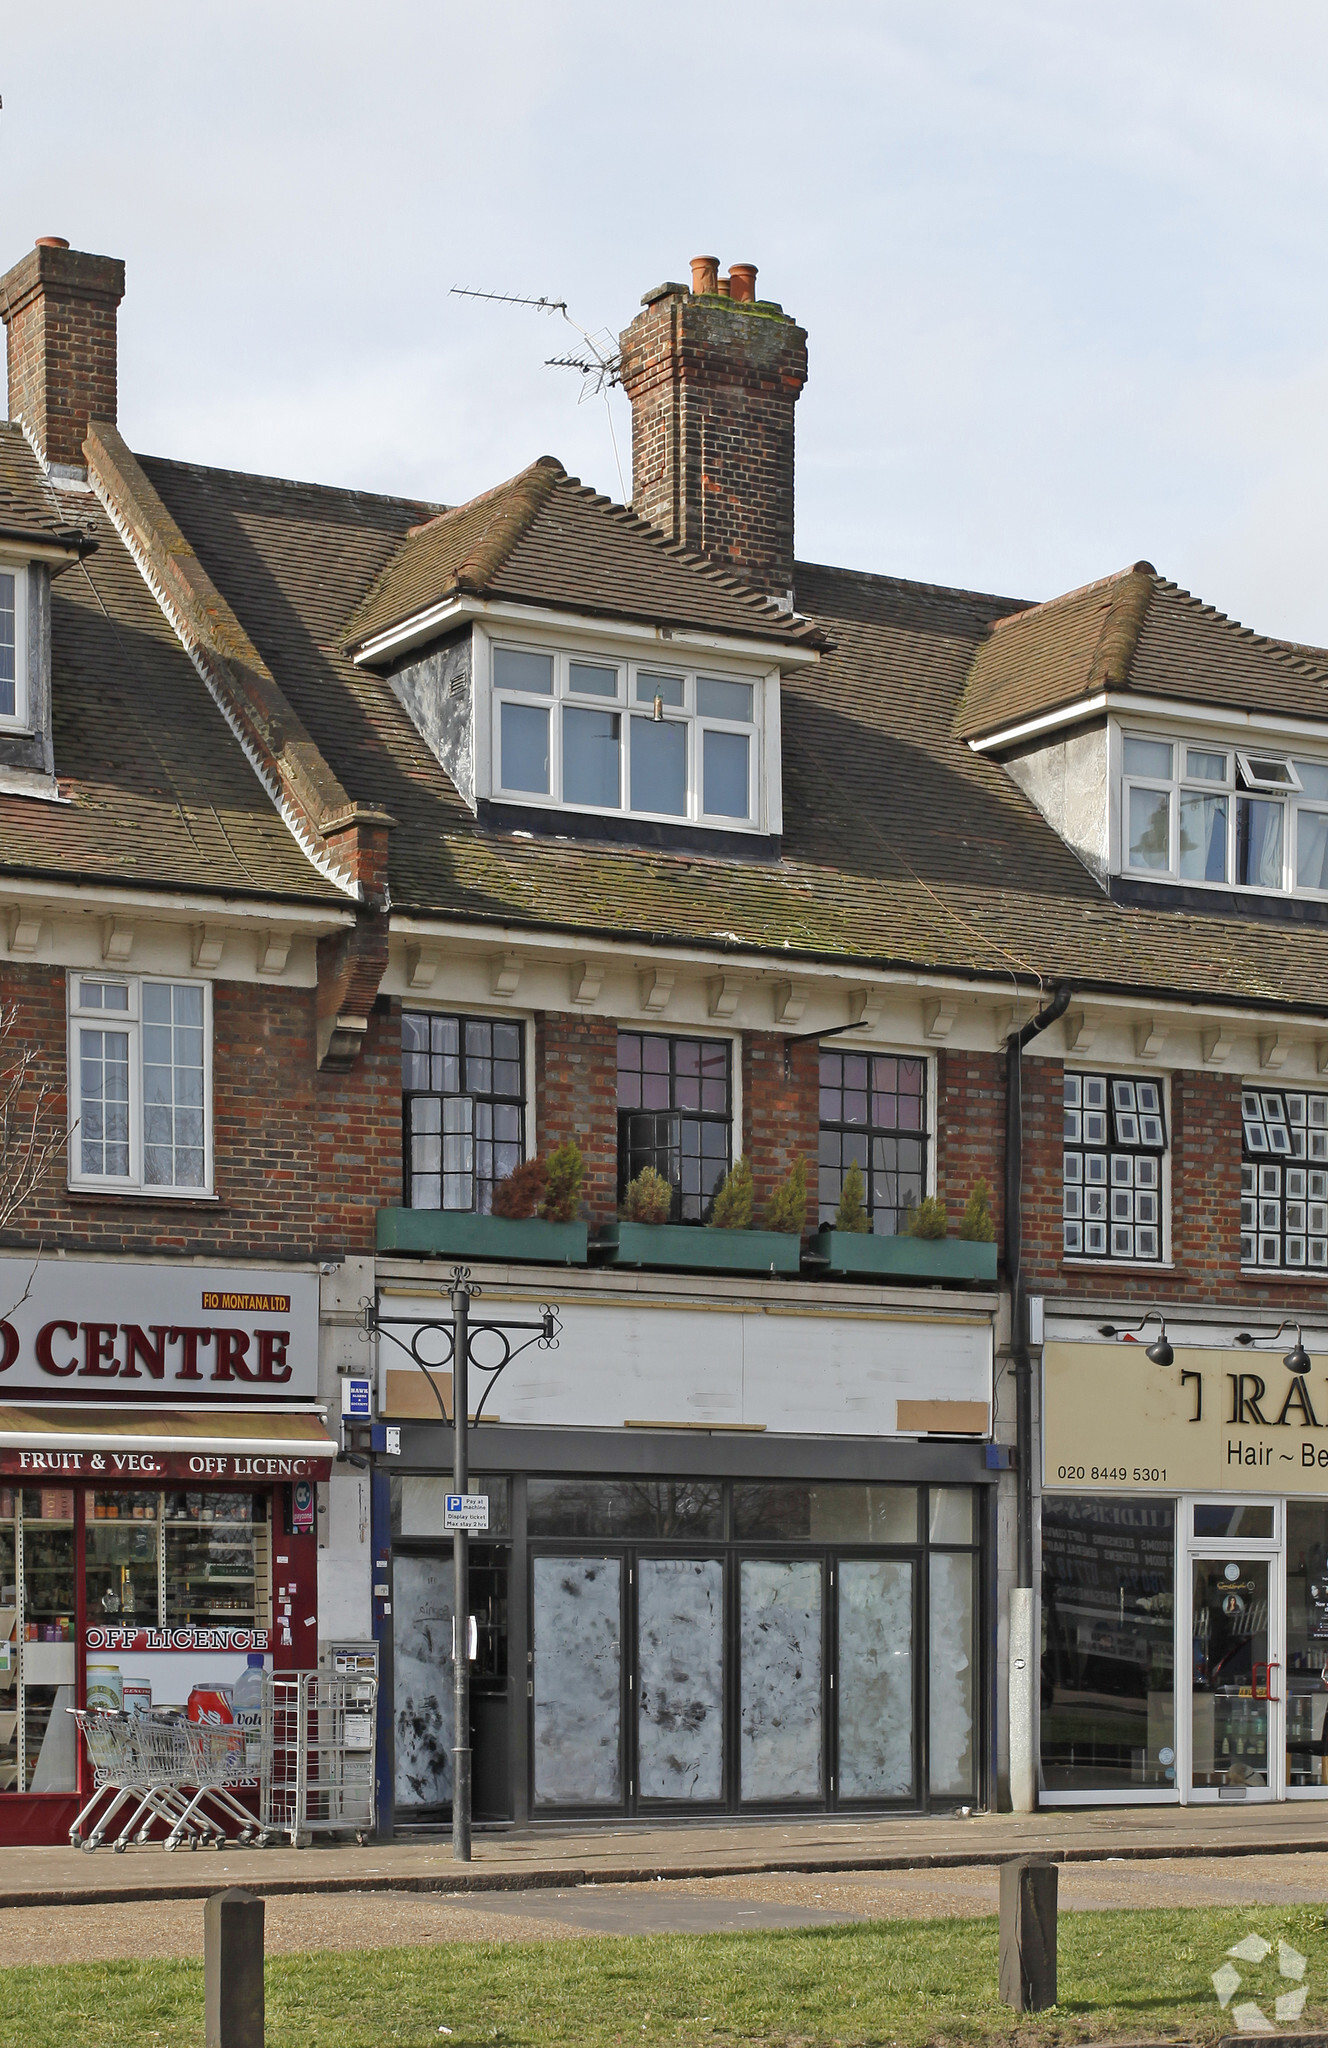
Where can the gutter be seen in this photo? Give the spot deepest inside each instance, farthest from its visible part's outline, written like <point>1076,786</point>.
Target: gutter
<point>1014,1173</point>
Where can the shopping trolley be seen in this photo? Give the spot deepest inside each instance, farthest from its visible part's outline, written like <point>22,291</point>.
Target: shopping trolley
<point>167,1770</point>
<point>317,1769</point>
<point>219,1758</point>
<point>145,1764</point>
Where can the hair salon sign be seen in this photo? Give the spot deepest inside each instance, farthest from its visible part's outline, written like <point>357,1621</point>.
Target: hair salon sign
<point>89,1331</point>
<point>1212,1422</point>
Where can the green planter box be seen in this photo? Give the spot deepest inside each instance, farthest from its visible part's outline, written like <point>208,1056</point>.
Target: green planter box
<point>455,1234</point>
<point>695,1249</point>
<point>860,1255</point>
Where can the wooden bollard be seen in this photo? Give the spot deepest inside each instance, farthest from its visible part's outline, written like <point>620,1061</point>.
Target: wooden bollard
<point>1028,1934</point>
<point>233,1970</point>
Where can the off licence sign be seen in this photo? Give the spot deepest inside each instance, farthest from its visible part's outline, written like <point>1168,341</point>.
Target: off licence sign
<point>466,1511</point>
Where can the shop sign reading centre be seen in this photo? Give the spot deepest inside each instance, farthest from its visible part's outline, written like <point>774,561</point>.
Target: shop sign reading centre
<point>1214,1422</point>
<point>119,1330</point>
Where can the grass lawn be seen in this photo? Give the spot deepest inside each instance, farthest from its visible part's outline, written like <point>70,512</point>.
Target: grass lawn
<point>1123,1976</point>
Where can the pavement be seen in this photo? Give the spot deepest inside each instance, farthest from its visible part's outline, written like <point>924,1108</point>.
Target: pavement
<point>551,1859</point>
<point>116,1929</point>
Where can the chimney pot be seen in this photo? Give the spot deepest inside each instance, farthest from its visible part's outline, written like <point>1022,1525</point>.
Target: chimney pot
<point>50,242</point>
<point>712,403</point>
<point>705,275</point>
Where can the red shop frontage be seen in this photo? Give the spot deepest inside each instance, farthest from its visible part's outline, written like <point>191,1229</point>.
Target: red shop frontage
<point>159,1451</point>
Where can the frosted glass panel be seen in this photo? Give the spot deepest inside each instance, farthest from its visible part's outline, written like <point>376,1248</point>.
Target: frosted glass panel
<point>952,1696</point>
<point>578,1685</point>
<point>780,1650</point>
<point>680,1654</point>
<point>875,1682</point>
<point>422,1680</point>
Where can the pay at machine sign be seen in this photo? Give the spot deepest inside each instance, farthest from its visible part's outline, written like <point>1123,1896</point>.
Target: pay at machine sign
<point>467,1511</point>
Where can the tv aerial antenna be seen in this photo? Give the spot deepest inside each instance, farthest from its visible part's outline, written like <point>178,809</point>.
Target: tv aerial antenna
<point>599,364</point>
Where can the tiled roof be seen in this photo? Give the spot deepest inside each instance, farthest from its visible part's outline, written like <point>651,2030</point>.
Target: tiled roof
<point>28,505</point>
<point>1138,633</point>
<point>159,793</point>
<point>544,538</point>
<point>901,846</point>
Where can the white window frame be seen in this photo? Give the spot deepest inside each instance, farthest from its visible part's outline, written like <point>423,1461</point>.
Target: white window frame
<point>17,720</point>
<point>761,731</point>
<point>1240,780</point>
<point>130,1020</point>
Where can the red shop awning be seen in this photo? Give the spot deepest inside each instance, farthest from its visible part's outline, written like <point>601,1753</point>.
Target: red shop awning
<point>131,1447</point>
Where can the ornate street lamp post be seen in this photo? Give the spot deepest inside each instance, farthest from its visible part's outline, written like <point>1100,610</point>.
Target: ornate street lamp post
<point>458,1334</point>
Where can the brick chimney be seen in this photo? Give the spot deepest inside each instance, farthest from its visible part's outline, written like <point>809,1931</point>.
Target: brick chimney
<point>713,375</point>
<point>59,308</point>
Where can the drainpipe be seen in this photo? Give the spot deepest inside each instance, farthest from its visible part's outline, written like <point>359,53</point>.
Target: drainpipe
<point>1023,1661</point>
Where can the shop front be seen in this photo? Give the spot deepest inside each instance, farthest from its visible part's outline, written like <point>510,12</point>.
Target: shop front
<point>1184,1545</point>
<point>158,1462</point>
<point>783,1607</point>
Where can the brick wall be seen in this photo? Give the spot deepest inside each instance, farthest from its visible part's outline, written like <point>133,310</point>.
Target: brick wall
<point>59,307</point>
<point>970,1137</point>
<point>1205,1187</point>
<point>576,1096</point>
<point>713,389</point>
<point>303,1159</point>
<point>780,1117</point>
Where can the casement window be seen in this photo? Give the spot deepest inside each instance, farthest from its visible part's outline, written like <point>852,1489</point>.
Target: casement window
<point>1284,1178</point>
<point>1225,816</point>
<point>13,643</point>
<point>463,1108</point>
<point>1115,1149</point>
<point>588,734</point>
<point>874,1112</point>
<point>140,1068</point>
<point>675,1113</point>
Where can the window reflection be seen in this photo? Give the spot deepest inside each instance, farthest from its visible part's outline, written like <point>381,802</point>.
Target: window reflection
<point>1108,1655</point>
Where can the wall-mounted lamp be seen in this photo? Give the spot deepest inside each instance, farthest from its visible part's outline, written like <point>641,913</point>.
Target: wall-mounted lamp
<point>1297,1359</point>
<point>1161,1352</point>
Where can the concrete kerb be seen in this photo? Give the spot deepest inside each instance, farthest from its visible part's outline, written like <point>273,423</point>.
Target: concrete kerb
<point>458,1883</point>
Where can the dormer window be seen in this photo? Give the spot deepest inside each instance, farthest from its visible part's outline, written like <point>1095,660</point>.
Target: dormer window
<point>1224,817</point>
<point>13,643</point>
<point>653,740</point>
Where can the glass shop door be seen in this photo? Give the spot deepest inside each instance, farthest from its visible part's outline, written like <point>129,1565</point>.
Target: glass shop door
<point>1237,1665</point>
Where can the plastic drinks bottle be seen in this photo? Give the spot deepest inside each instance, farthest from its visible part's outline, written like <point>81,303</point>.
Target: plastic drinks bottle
<point>247,1702</point>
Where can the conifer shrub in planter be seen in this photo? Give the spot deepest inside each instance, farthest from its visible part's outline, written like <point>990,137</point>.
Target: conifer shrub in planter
<point>924,1252</point>
<point>534,1218</point>
<point>644,1237</point>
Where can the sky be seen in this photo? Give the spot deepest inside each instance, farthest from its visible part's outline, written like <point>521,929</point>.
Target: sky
<point>1063,267</point>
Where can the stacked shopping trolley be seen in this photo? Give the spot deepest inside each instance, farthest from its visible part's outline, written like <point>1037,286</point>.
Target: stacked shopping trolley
<point>314,1769</point>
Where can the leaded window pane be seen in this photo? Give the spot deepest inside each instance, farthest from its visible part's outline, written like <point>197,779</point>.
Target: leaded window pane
<point>675,1115</point>
<point>1284,1205</point>
<point>874,1113</point>
<point>463,1108</point>
<point>8,643</point>
<point>1115,1137</point>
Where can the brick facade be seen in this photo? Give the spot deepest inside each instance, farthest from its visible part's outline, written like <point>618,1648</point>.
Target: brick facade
<point>970,1136</point>
<point>576,1096</point>
<point>59,307</point>
<point>303,1159</point>
<point>780,1116</point>
<point>1205,1153</point>
<point>713,386</point>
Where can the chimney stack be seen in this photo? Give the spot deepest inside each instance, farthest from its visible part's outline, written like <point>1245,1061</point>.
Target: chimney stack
<point>59,307</point>
<point>713,375</point>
